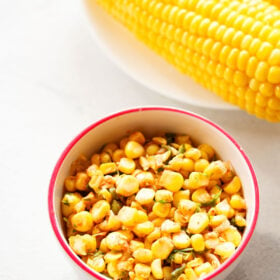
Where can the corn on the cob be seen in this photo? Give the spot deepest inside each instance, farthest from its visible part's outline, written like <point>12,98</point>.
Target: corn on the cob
<point>230,47</point>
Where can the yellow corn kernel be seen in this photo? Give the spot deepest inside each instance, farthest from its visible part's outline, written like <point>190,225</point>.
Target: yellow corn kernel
<point>145,178</point>
<point>187,207</point>
<point>181,240</point>
<point>191,275</point>
<point>179,163</point>
<point>195,262</point>
<point>157,270</point>
<point>141,217</point>
<point>127,185</point>
<point>197,242</point>
<point>105,157</point>
<point>110,148</point>
<point>155,234</point>
<point>96,180</point>
<point>123,142</point>
<point>198,223</point>
<point>95,159</point>
<point>177,258</point>
<point>82,180</point>
<point>200,165</point>
<point>134,150</point>
<point>96,263</point>
<point>128,216</point>
<point>223,208</point>
<point>142,270</point>
<point>240,221</point>
<point>180,195</point>
<point>203,269</point>
<point>201,196</point>
<point>161,209</point>
<point>70,184</point>
<point>237,202</point>
<point>169,226</point>
<point>69,201</point>
<point>164,196</point>
<point>99,210</point>
<point>217,220</point>
<point>82,221</point>
<point>172,181</point>
<point>162,248</point>
<point>103,246</point>
<point>82,244</point>
<point>143,255</point>
<point>113,270</point>
<point>137,136</point>
<point>116,241</point>
<point>208,150</point>
<point>143,229</point>
<point>225,250</point>
<point>107,168</point>
<point>158,221</point>
<point>215,170</point>
<point>274,104</point>
<point>274,75</point>
<point>152,149</point>
<point>232,235</point>
<point>159,140</point>
<point>197,180</point>
<point>135,245</point>
<point>233,186</point>
<point>145,196</point>
<point>182,139</point>
<point>274,58</point>
<point>126,165</point>
<point>117,155</point>
<point>193,153</point>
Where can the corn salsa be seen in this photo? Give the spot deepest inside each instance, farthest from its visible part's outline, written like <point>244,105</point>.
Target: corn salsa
<point>153,208</point>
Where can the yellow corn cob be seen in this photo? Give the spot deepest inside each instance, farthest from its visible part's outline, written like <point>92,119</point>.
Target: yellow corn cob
<point>231,47</point>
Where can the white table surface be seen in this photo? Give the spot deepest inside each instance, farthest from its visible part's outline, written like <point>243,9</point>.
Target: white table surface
<point>54,82</point>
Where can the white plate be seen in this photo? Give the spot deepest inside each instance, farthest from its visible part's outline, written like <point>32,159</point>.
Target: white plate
<point>142,64</point>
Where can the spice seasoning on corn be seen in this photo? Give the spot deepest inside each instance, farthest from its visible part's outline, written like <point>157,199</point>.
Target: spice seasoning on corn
<point>157,208</point>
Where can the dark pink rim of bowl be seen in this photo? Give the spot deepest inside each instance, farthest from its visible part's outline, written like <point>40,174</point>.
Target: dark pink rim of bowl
<point>53,220</point>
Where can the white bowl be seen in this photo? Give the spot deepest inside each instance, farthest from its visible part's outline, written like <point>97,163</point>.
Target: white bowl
<point>142,64</point>
<point>152,120</point>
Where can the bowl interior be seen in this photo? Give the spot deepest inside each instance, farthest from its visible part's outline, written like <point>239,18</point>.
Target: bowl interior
<point>153,121</point>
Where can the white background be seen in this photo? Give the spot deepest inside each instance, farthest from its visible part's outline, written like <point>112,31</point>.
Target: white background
<point>54,81</point>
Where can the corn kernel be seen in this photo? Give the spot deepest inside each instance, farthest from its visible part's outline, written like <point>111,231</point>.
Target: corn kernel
<point>126,165</point>
<point>116,241</point>
<point>180,195</point>
<point>69,184</point>
<point>187,207</point>
<point>82,180</point>
<point>237,202</point>
<point>134,150</point>
<point>197,180</point>
<point>107,168</point>
<point>96,263</point>
<point>274,58</point>
<point>69,201</point>
<point>82,244</point>
<point>240,221</point>
<point>191,275</point>
<point>142,270</point>
<point>128,216</point>
<point>145,196</point>
<point>161,209</point>
<point>170,226</point>
<point>181,240</point>
<point>215,170</point>
<point>198,223</point>
<point>197,242</point>
<point>232,235</point>
<point>201,196</point>
<point>162,248</point>
<point>127,185</point>
<point>200,165</point>
<point>134,245</point>
<point>152,149</point>
<point>203,269</point>
<point>143,255</point>
<point>172,181</point>
<point>225,250</point>
<point>143,229</point>
<point>117,155</point>
<point>110,148</point>
<point>137,136</point>
<point>163,196</point>
<point>112,256</point>
<point>82,221</point>
<point>113,271</point>
<point>233,186</point>
<point>193,153</point>
<point>99,210</point>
